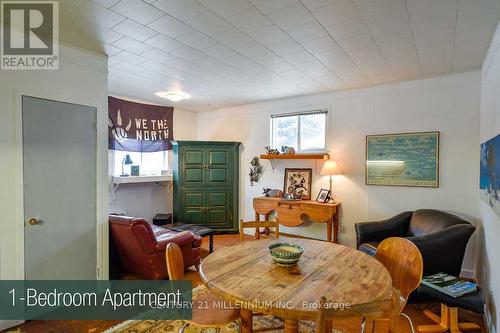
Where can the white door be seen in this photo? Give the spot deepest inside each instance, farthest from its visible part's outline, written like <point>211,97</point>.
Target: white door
<point>59,163</point>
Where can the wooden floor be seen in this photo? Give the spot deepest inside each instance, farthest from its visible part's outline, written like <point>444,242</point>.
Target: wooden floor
<point>350,325</point>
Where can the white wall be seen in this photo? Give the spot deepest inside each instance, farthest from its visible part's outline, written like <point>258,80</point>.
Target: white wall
<point>146,200</point>
<point>487,266</point>
<point>81,79</point>
<point>448,104</point>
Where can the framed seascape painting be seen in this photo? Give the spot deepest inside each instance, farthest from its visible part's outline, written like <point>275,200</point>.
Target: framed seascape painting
<point>403,159</point>
<point>489,174</point>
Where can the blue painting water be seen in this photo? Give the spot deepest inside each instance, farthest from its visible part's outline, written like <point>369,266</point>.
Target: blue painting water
<point>489,171</point>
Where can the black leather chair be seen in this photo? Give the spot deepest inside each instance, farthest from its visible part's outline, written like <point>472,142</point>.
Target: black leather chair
<point>441,237</point>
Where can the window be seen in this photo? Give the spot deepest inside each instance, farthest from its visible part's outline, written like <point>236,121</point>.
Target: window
<point>149,163</point>
<point>304,131</point>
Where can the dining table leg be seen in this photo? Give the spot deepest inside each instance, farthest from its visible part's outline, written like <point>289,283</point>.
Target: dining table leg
<point>291,326</point>
<point>246,321</point>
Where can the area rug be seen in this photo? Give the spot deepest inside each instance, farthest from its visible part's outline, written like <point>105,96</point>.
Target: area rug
<point>173,326</point>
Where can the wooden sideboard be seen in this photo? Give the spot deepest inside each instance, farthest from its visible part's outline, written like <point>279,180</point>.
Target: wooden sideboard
<point>294,213</point>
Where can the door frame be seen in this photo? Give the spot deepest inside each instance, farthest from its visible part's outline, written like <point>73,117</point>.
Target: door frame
<point>102,183</point>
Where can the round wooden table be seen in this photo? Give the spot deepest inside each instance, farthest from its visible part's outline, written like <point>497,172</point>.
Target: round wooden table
<point>352,282</point>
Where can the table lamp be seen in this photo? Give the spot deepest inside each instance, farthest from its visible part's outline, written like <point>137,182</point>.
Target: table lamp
<point>126,161</point>
<point>330,168</point>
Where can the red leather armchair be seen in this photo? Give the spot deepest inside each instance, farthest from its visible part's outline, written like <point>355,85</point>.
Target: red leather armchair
<point>141,246</point>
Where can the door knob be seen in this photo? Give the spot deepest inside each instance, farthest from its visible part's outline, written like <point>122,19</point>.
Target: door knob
<point>33,221</point>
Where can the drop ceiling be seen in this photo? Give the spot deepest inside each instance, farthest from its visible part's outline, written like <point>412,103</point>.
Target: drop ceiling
<point>229,52</point>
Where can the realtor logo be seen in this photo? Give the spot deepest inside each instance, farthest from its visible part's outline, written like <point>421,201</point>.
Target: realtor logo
<point>29,35</point>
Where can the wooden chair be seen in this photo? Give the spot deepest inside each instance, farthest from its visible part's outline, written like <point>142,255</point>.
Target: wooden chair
<point>257,225</point>
<point>206,312</point>
<point>404,262</point>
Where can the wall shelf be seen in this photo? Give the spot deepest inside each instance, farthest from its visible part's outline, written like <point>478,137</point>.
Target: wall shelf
<point>273,159</point>
<point>117,180</point>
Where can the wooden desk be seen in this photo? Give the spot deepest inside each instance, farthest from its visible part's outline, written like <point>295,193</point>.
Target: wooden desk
<point>246,274</point>
<point>293,213</point>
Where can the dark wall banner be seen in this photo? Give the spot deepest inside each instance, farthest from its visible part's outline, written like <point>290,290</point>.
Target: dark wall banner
<point>139,127</point>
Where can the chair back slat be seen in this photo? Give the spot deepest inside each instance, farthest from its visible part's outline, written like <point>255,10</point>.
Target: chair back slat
<point>404,262</point>
<point>175,262</point>
<point>257,225</point>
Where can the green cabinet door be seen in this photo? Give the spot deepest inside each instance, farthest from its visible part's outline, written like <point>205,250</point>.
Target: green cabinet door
<point>219,207</point>
<point>193,171</point>
<point>218,167</point>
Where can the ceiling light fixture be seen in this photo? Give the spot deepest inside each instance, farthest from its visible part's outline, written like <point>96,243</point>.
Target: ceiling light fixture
<point>174,96</point>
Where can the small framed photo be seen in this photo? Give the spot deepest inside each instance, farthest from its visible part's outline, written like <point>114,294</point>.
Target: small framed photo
<point>298,183</point>
<point>323,195</point>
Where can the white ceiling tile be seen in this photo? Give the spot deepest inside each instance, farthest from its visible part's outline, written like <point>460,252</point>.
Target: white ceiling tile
<point>237,61</point>
<point>267,6</point>
<point>129,58</point>
<point>285,47</point>
<point>253,68</point>
<point>225,8</point>
<point>169,26</point>
<point>102,34</point>
<point>390,27</point>
<point>321,44</point>
<point>134,30</point>
<point>279,67</point>
<point>111,50</point>
<point>292,74</point>
<point>312,66</point>
<point>422,8</point>
<point>434,36</point>
<point>119,67</point>
<point>251,49</point>
<point>360,46</point>
<point>291,16</point>
<point>335,13</point>
<point>475,34</point>
<point>469,55</point>
<point>163,43</point>
<point>298,57</point>
<point>382,10</point>
<point>180,9</point>
<point>313,4</point>
<point>129,44</point>
<point>188,53</point>
<point>471,17</point>
<point>444,50</point>
<point>267,59</point>
<point>435,22</point>
<point>197,40</point>
<point>249,20</point>
<point>232,37</point>
<point>308,31</point>
<point>106,3</point>
<point>158,56</point>
<point>347,28</point>
<point>209,23</point>
<point>99,15</point>
<point>466,5</point>
<point>269,35</point>
<point>137,10</point>
<point>219,51</point>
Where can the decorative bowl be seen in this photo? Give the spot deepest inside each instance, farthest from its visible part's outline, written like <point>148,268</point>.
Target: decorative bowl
<point>285,254</point>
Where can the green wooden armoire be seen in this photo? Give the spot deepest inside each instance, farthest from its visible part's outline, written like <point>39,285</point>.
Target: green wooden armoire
<point>206,182</point>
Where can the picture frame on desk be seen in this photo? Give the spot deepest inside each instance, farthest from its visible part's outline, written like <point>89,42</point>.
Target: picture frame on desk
<point>323,196</point>
<point>298,182</point>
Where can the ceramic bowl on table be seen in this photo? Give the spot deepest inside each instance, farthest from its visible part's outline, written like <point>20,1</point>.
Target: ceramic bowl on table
<point>285,254</point>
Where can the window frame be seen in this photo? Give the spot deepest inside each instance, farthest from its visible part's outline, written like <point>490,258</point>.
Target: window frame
<point>325,111</point>
<point>117,163</point>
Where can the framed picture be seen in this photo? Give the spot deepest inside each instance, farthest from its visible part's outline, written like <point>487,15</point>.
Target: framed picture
<point>298,182</point>
<point>323,195</point>
<point>403,159</point>
<point>489,169</point>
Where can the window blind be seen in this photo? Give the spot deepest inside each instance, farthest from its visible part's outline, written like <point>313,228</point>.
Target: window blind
<point>300,113</point>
